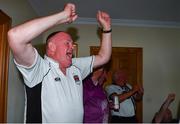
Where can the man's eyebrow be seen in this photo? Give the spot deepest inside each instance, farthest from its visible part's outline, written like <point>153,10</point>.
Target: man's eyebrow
<point>69,40</point>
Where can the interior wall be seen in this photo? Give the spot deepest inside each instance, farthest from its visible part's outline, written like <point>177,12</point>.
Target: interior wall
<point>19,11</point>
<point>161,48</point>
<point>161,58</point>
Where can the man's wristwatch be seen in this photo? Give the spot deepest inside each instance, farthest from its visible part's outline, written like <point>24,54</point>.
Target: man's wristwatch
<point>106,31</point>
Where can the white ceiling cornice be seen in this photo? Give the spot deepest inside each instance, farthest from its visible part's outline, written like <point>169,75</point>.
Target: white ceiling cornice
<point>134,23</point>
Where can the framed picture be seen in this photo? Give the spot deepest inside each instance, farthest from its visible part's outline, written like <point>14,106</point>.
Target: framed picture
<point>75,52</point>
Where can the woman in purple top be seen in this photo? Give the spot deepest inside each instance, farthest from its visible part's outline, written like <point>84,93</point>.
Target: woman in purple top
<point>95,101</point>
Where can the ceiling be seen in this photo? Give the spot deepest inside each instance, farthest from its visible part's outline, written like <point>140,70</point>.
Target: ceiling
<point>131,11</point>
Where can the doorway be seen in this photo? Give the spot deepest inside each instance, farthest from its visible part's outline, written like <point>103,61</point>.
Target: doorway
<point>128,59</point>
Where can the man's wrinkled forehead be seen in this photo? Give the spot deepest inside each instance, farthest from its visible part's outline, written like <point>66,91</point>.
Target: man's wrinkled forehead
<point>61,36</point>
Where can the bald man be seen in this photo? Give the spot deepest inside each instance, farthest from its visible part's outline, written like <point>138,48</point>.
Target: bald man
<point>127,95</point>
<point>54,83</point>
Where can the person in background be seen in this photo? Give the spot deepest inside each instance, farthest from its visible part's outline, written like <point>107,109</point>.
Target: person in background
<point>122,93</point>
<point>53,84</point>
<point>95,101</point>
<point>164,115</point>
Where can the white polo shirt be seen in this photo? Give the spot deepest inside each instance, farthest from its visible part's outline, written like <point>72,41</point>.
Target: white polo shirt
<point>61,95</point>
<point>126,108</point>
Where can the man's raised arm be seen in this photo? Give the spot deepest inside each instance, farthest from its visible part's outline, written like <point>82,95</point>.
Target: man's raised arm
<point>162,111</point>
<point>106,43</point>
<point>20,37</point>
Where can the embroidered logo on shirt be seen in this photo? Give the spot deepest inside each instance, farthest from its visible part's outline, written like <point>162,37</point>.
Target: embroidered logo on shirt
<point>57,79</point>
<point>76,79</point>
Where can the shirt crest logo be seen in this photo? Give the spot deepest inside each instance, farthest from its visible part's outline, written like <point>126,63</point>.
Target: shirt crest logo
<point>76,79</point>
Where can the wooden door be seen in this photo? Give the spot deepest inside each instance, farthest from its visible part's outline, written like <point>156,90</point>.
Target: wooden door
<point>5,22</point>
<point>130,60</point>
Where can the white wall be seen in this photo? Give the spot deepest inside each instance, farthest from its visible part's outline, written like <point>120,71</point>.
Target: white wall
<point>161,58</point>
<point>19,11</point>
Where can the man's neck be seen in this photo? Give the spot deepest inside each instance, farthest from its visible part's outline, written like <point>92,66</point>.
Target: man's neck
<point>63,70</point>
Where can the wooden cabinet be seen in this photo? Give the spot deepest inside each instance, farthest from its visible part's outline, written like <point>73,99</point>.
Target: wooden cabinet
<point>5,23</point>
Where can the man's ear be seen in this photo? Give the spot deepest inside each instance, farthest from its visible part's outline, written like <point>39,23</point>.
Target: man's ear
<point>51,47</point>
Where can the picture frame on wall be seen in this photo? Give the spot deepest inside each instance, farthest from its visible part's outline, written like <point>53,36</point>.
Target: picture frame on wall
<point>75,51</point>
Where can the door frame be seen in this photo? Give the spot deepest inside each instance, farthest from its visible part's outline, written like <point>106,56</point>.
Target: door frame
<point>5,24</point>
